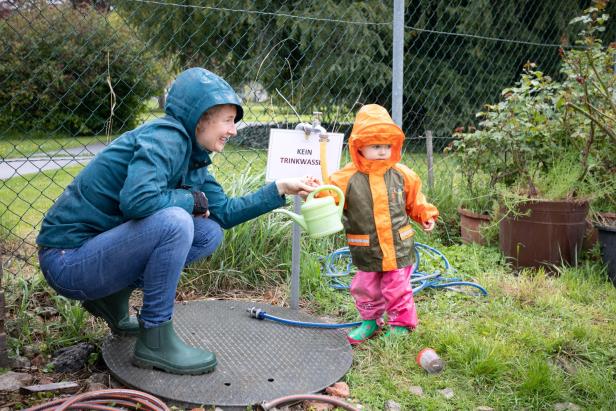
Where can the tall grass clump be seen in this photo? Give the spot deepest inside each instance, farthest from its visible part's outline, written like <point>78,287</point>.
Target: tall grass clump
<point>255,254</point>
<point>39,320</point>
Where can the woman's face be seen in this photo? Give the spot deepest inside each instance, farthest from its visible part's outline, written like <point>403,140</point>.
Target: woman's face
<point>216,126</point>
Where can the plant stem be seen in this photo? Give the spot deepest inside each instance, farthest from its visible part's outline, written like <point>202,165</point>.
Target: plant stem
<point>595,120</point>
<point>604,88</point>
<point>591,137</point>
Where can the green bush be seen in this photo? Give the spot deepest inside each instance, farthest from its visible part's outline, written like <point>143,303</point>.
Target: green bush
<point>56,69</point>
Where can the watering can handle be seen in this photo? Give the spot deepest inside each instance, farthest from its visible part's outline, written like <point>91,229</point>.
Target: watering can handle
<point>333,188</point>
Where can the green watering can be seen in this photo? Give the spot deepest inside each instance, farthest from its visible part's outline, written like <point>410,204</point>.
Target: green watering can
<point>320,216</point>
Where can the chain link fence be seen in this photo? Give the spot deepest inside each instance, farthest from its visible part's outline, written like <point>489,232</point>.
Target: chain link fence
<point>76,74</point>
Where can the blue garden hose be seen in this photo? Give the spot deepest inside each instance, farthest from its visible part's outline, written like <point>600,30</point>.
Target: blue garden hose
<point>423,279</point>
<point>259,314</point>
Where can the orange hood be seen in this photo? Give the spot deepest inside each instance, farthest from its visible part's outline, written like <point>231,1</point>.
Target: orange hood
<point>373,125</point>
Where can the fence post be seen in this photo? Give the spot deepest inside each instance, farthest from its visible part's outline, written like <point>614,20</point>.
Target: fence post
<point>4,359</point>
<point>295,256</point>
<point>429,153</point>
<point>397,63</point>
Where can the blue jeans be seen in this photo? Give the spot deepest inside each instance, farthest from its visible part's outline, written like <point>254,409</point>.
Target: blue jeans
<point>148,253</point>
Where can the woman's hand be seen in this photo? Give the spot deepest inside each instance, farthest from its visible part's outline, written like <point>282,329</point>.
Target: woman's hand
<point>295,185</point>
<point>428,225</point>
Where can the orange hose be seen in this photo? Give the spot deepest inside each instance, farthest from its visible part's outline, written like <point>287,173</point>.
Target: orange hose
<point>105,400</point>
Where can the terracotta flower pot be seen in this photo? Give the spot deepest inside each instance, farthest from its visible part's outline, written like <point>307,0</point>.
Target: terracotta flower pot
<point>470,224</point>
<point>548,233</point>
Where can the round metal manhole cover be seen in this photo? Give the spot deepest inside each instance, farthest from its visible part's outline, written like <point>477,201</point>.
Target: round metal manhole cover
<point>258,360</point>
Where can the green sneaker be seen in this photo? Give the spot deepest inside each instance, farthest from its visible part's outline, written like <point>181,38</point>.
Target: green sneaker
<point>367,330</point>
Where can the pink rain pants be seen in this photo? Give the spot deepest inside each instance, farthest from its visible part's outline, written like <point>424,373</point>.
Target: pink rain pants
<point>388,292</point>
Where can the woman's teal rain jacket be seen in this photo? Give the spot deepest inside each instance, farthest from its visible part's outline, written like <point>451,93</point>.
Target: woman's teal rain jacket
<point>148,169</point>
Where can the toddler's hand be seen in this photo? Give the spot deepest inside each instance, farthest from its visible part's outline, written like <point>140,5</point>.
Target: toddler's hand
<point>428,225</point>
<point>312,181</point>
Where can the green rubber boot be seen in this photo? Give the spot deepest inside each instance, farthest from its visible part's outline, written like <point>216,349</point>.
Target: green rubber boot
<point>161,348</point>
<point>366,330</point>
<point>114,310</point>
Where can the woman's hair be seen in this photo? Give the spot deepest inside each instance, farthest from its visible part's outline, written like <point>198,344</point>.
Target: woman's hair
<point>211,111</point>
<point>207,116</point>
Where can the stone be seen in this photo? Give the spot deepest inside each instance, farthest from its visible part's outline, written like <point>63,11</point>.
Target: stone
<point>447,393</point>
<point>416,390</point>
<point>99,378</point>
<point>318,406</point>
<point>38,361</point>
<point>95,386</point>
<point>44,379</point>
<point>566,406</point>
<point>339,389</point>
<point>484,408</point>
<point>391,405</point>
<point>19,362</point>
<point>72,358</point>
<point>12,381</point>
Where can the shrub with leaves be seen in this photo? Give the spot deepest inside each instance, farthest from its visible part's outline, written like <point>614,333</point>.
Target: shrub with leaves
<point>546,138</point>
<point>590,94</point>
<point>72,71</point>
<point>519,138</point>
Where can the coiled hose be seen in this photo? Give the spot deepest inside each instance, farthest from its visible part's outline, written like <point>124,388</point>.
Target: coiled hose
<point>105,400</point>
<point>332,269</point>
<point>123,399</point>
<point>421,279</point>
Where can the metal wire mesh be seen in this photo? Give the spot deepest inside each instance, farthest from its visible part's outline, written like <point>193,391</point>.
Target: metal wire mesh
<point>75,74</point>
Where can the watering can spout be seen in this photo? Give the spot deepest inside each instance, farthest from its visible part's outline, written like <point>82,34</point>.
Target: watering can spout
<point>296,217</point>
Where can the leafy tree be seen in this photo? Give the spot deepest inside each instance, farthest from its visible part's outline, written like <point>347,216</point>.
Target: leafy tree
<point>448,77</point>
<point>71,71</point>
<point>329,55</point>
<point>313,60</point>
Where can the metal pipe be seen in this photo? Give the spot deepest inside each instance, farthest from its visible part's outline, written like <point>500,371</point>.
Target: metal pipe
<point>398,63</point>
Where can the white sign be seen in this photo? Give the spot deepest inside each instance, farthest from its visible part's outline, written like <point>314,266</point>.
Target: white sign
<point>291,154</point>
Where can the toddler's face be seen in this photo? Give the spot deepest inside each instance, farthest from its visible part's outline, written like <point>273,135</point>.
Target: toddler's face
<point>376,152</point>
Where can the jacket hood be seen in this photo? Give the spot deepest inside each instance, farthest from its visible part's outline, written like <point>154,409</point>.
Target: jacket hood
<point>195,91</point>
<point>373,125</point>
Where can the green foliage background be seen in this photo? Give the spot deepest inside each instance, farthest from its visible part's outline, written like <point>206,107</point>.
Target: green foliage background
<point>338,53</point>
<point>55,70</point>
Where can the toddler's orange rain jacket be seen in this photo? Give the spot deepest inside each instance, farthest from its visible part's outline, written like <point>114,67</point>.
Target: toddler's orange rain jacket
<point>380,196</point>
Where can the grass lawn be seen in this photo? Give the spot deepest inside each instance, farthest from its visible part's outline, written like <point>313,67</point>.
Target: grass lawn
<point>535,341</point>
<point>21,145</point>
